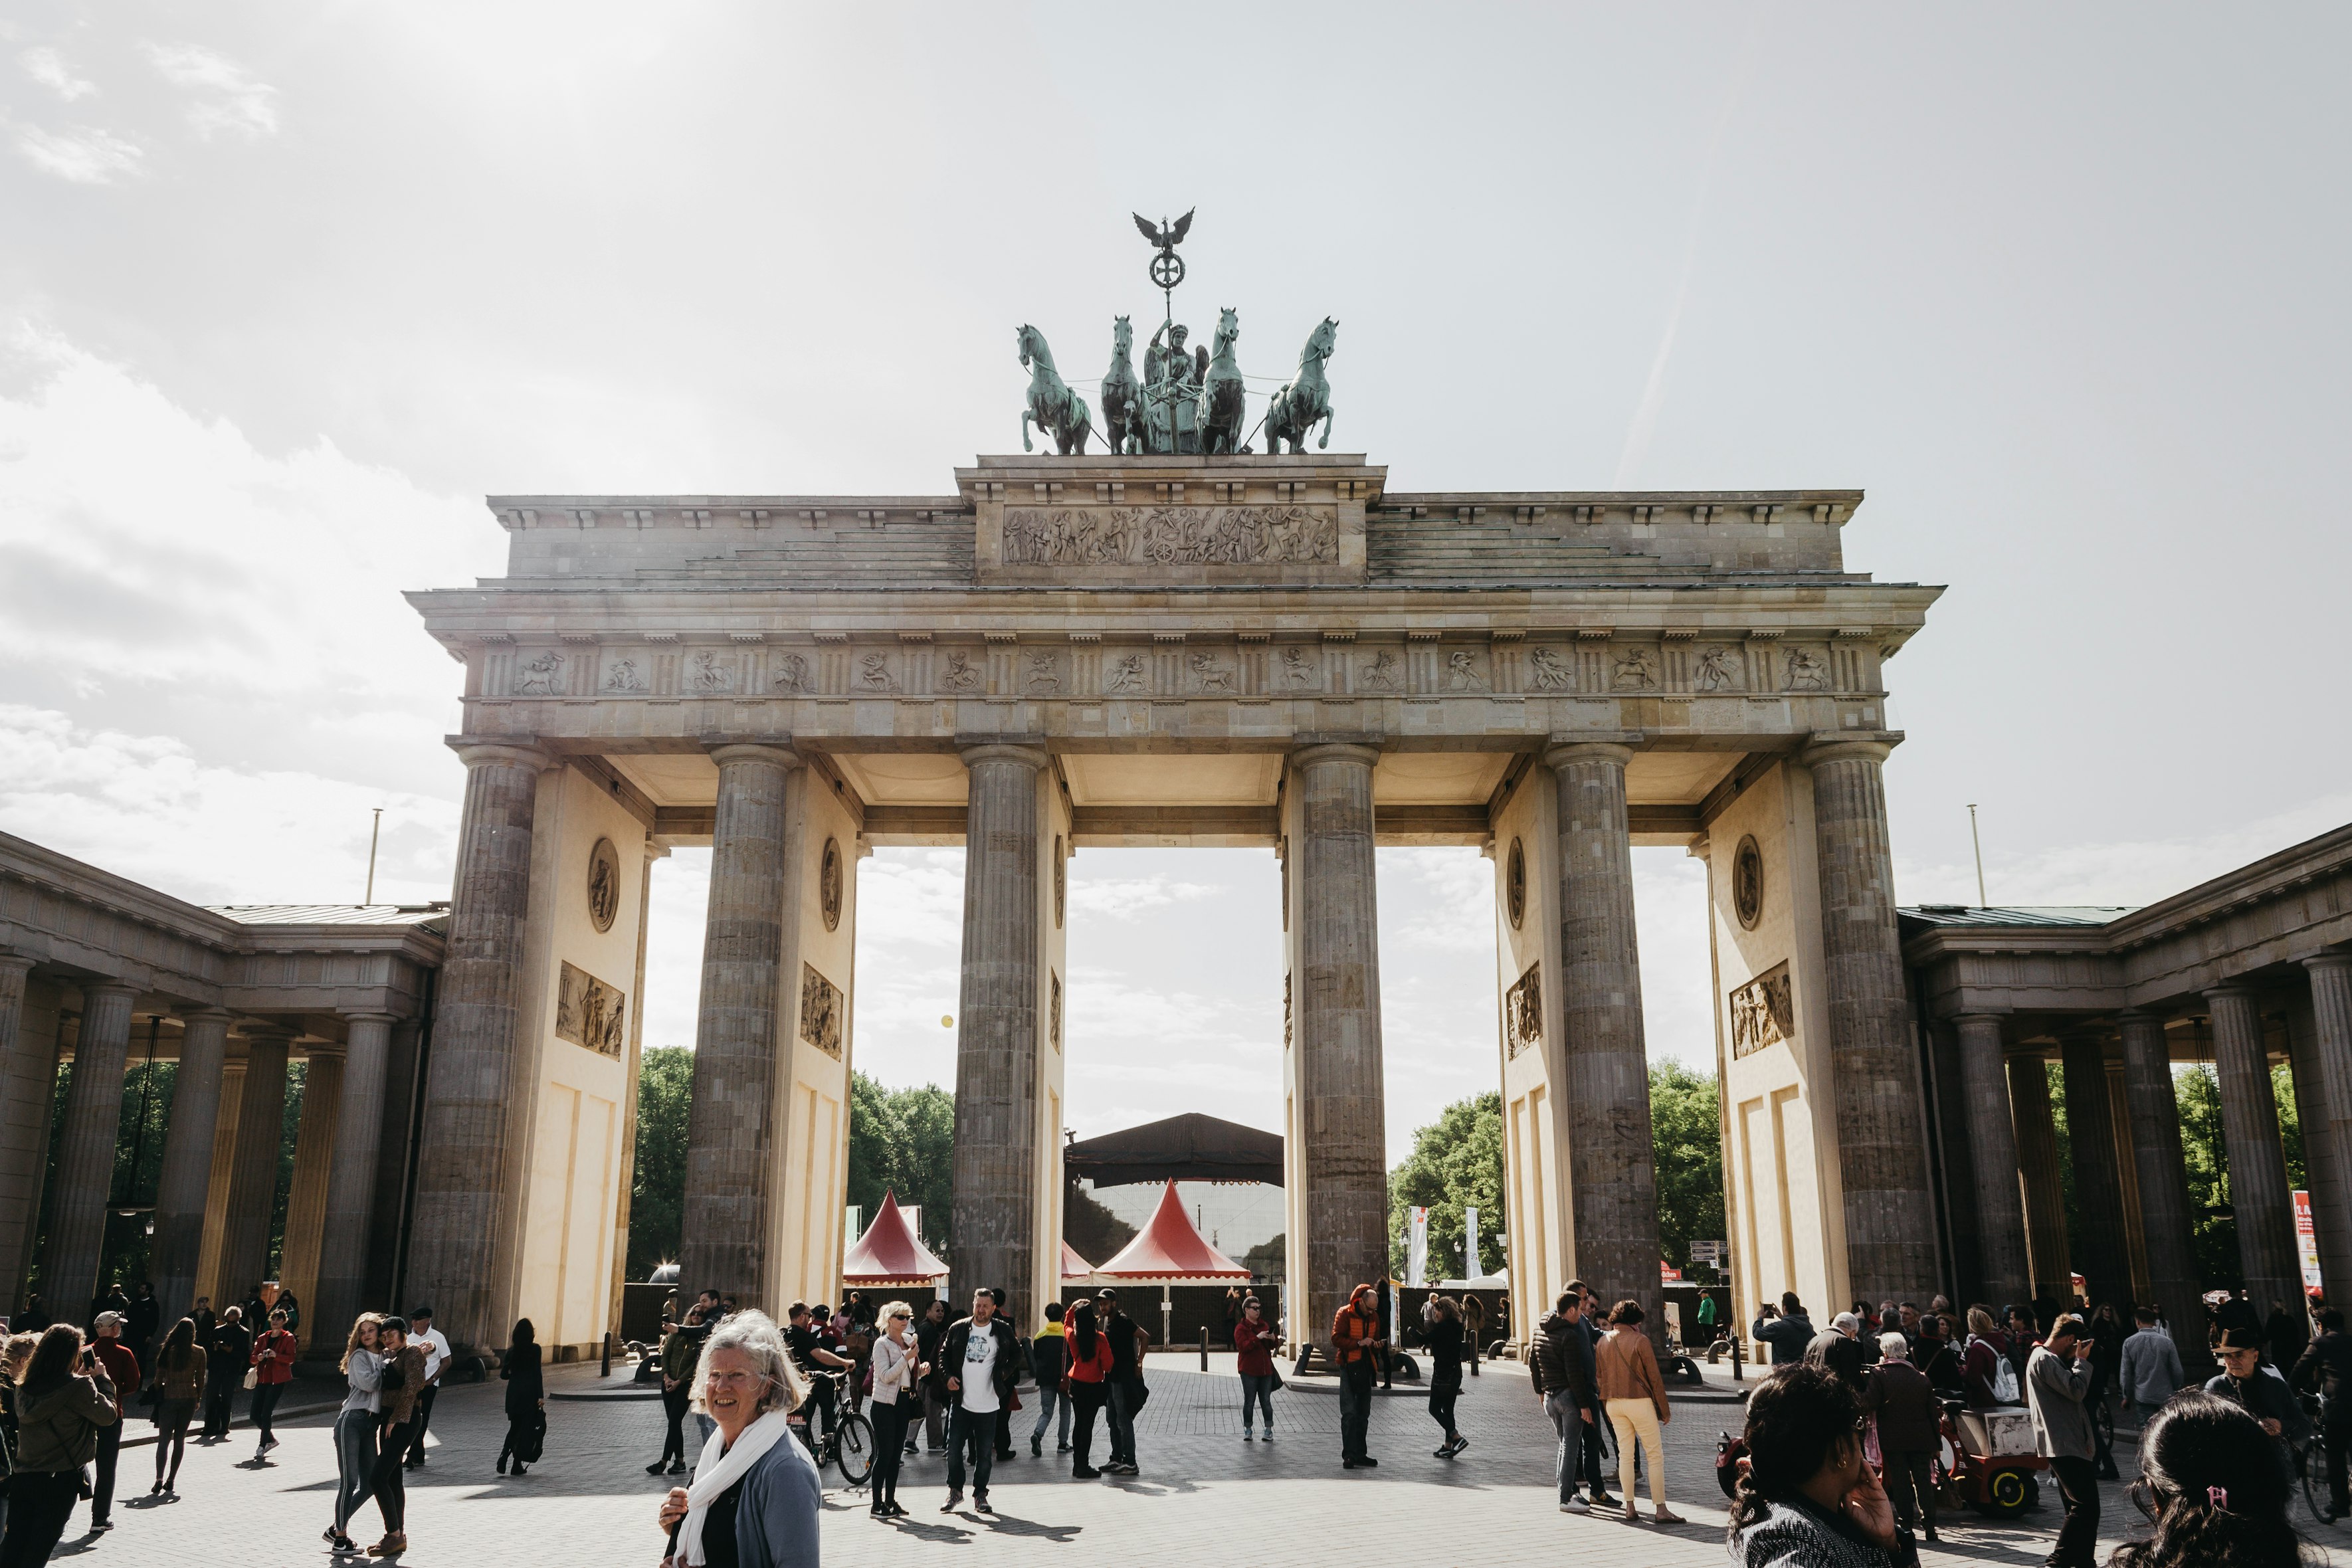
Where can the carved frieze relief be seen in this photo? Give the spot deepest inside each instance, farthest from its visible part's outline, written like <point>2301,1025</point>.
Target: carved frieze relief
<point>1718,669</point>
<point>1550,669</point>
<point>1170,535</point>
<point>1808,670</point>
<point>626,676</point>
<point>1381,672</point>
<point>709,673</point>
<point>820,1012</point>
<point>790,673</point>
<point>540,675</point>
<point>1461,671</point>
<point>1634,669</point>
<point>1763,1012</point>
<point>874,673</point>
<point>960,673</point>
<point>1042,673</point>
<point>590,1013</point>
<point>1523,1013</point>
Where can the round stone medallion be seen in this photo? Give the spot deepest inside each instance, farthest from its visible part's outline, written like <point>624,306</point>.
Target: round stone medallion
<point>604,884</point>
<point>828,884</point>
<point>1748,882</point>
<point>1516,887</point>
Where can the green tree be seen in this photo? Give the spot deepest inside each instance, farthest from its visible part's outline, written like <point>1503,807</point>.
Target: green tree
<point>1088,1225</point>
<point>1456,1163</point>
<point>1268,1259</point>
<point>2204,1149</point>
<point>658,1186</point>
<point>903,1140</point>
<point>1686,1140</point>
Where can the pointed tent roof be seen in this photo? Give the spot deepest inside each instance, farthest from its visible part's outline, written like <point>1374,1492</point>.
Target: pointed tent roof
<point>1169,1251</point>
<point>1073,1265</point>
<point>890,1252</point>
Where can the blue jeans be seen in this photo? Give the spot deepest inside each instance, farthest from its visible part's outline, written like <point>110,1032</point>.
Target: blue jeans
<point>354,1463</point>
<point>1579,1445</point>
<point>974,1430</point>
<point>1122,1420</point>
<point>1257,1388</point>
<point>1050,1399</point>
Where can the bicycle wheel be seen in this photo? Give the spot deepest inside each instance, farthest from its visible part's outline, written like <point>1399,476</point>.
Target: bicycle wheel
<point>853,1449</point>
<point>2312,1468</point>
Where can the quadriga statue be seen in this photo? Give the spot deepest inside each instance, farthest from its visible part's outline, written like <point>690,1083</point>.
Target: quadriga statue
<point>1305,399</point>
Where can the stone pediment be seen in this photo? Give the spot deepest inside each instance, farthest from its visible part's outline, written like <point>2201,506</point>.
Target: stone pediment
<point>1105,523</point>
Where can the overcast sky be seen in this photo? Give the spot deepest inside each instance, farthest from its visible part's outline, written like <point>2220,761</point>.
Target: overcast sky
<point>284,290</point>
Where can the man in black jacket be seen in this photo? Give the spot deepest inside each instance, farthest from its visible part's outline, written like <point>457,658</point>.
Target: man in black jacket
<point>2326,1368</point>
<point>1126,1377</point>
<point>984,1362</point>
<point>1788,1332</point>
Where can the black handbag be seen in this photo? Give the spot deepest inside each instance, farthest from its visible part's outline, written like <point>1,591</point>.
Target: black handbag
<point>531,1437</point>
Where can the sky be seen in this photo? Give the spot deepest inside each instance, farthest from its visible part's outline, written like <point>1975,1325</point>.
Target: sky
<point>285,290</point>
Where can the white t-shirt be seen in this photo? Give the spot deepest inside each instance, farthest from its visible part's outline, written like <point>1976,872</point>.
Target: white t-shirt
<point>979,1373</point>
<point>435,1349</point>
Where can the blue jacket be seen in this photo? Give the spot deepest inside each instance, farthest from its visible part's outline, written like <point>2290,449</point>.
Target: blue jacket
<point>776,1509</point>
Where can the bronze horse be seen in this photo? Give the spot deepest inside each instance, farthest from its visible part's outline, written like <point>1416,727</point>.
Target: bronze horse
<point>1222,401</point>
<point>1054,409</point>
<point>1122,395</point>
<point>1306,398</point>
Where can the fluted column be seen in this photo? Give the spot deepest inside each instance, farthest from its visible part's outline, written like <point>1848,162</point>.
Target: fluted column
<point>1890,1218</point>
<point>350,1179</point>
<point>2331,1046</point>
<point>2037,1164</point>
<point>997,1028</point>
<point>253,1171</point>
<point>2258,1189</point>
<point>477,1073</point>
<point>305,1195</point>
<point>1992,1150</point>
<point>85,1161</point>
<point>2163,1183</point>
<point>2099,1250</point>
<point>731,1125</point>
<point>186,1176</point>
<point>24,1130</point>
<point>1335,1027</point>
<point>1611,1159</point>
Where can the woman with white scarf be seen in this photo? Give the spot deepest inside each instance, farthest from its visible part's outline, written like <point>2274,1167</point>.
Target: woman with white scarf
<point>756,1495</point>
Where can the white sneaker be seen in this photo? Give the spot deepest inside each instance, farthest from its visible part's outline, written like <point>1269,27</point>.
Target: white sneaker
<point>1576,1505</point>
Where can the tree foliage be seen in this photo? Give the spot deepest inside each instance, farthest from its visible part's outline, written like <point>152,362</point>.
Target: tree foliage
<point>1686,1140</point>
<point>903,1140</point>
<point>2204,1149</point>
<point>657,1189</point>
<point>1088,1225</point>
<point>1456,1162</point>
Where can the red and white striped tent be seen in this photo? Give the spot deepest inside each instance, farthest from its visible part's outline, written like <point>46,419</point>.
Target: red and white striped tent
<point>1076,1271</point>
<point>1169,1251</point>
<point>891,1255</point>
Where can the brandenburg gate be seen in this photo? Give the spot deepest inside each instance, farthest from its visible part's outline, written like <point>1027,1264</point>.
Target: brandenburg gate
<point>1167,649</point>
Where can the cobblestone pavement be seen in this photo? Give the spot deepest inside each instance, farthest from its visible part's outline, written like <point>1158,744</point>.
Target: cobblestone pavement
<point>1203,1496</point>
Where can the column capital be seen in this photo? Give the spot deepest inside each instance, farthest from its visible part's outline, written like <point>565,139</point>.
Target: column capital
<point>2156,1016</point>
<point>2227,988</point>
<point>500,754</point>
<point>2335,958</point>
<point>1336,751</point>
<point>725,752</point>
<point>1005,751</point>
<point>1561,753</point>
<point>386,1019</point>
<point>14,962</point>
<point>1828,746</point>
<point>90,988</point>
<point>1962,1014</point>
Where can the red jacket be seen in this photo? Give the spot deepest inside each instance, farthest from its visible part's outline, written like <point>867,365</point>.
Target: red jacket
<point>120,1365</point>
<point>1256,1342</point>
<point>273,1358</point>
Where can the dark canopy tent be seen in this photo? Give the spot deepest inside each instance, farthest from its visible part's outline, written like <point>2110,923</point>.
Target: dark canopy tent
<point>1187,1148</point>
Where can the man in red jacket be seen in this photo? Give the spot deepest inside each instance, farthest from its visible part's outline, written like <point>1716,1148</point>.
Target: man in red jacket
<point>123,1368</point>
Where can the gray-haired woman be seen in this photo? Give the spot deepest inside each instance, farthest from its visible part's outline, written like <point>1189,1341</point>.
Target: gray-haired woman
<point>756,1496</point>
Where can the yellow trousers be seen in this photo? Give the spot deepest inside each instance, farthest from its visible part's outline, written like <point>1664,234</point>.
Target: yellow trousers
<point>1632,1418</point>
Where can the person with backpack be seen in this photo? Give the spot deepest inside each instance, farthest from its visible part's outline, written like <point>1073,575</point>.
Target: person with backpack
<point>1048,1354</point>
<point>1988,1378</point>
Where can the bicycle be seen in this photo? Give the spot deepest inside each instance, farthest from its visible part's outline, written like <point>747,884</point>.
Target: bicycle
<point>848,1442</point>
<point>2310,1462</point>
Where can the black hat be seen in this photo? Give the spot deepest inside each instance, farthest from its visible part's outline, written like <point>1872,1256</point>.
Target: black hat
<point>2240,1339</point>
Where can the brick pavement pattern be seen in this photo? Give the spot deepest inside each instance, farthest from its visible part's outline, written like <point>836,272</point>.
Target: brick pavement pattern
<point>1203,1495</point>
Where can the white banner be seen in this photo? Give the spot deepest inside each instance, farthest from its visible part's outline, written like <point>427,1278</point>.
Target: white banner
<point>1416,1247</point>
<point>1470,1269</point>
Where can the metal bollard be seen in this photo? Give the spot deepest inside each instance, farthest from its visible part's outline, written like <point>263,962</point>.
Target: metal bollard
<point>1204,1347</point>
<point>1735,1344</point>
<point>604,1366</point>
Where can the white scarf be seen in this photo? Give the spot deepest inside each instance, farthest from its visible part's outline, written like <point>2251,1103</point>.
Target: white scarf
<point>719,1469</point>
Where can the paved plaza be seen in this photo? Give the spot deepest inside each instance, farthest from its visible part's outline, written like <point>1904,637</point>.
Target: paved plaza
<point>1202,1497</point>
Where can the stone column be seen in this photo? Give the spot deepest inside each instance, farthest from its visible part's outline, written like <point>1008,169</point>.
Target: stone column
<point>1890,1217</point>
<point>1336,1024</point>
<point>997,1028</point>
<point>2099,1250</point>
<point>350,1208</point>
<point>1992,1148</point>
<point>2155,1107</point>
<point>252,1173</point>
<point>1611,1156</point>
<point>86,1155</point>
<point>23,1122</point>
<point>459,1240</point>
<point>731,1130</point>
<point>2331,1048</point>
<point>186,1176</point>
<point>305,1195</point>
<point>2037,1162</point>
<point>2258,1189</point>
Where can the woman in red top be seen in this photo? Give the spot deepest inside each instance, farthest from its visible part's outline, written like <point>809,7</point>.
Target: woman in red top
<point>273,1369</point>
<point>1084,1379</point>
<point>1255,1339</point>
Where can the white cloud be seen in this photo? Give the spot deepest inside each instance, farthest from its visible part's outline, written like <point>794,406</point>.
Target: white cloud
<point>228,97</point>
<point>142,807</point>
<point>86,156</point>
<point>49,68</point>
<point>1125,898</point>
